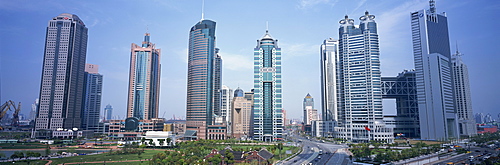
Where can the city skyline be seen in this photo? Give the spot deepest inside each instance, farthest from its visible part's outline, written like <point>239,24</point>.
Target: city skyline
<point>298,47</point>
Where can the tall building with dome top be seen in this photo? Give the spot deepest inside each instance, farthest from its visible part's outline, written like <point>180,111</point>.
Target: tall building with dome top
<point>268,110</point>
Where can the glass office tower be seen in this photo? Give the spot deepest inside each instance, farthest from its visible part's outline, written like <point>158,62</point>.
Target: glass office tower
<point>92,95</point>
<point>268,114</point>
<point>61,88</point>
<point>360,117</point>
<point>144,80</point>
<point>433,72</point>
<point>203,82</point>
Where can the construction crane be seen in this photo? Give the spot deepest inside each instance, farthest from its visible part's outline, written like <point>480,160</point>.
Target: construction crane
<point>15,116</point>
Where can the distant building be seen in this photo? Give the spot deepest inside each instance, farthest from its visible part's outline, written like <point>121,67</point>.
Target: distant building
<point>479,118</point>
<point>466,123</point>
<point>434,76</point>
<point>242,114</point>
<point>63,70</point>
<point>133,128</point>
<point>108,112</point>
<point>310,114</point>
<point>268,110</point>
<point>92,97</point>
<point>226,102</point>
<point>482,128</point>
<point>34,110</point>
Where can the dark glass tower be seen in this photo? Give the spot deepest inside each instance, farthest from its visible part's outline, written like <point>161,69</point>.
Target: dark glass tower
<point>61,88</point>
<point>204,79</point>
<point>434,75</point>
<point>92,95</point>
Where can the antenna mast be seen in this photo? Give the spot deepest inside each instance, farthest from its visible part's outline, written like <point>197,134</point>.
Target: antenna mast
<point>202,10</point>
<point>432,5</point>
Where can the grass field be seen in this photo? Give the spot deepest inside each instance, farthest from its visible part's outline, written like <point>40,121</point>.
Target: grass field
<point>148,154</point>
<point>22,145</point>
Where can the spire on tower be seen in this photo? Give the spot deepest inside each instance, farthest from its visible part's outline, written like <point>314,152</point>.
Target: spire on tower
<point>432,5</point>
<point>202,10</point>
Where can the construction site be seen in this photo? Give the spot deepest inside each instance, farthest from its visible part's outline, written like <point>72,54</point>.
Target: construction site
<point>9,117</point>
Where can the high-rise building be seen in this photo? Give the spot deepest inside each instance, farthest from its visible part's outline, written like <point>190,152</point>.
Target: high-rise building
<point>479,118</point>
<point>92,97</point>
<point>242,114</point>
<point>466,123</point>
<point>34,110</point>
<point>108,112</point>
<point>360,117</point>
<point>144,80</point>
<point>203,83</point>
<point>61,88</point>
<point>310,114</point>
<point>329,79</point>
<point>268,114</point>
<point>226,103</point>
<point>433,72</point>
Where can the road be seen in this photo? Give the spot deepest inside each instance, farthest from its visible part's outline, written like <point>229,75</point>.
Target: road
<point>476,152</point>
<point>330,153</point>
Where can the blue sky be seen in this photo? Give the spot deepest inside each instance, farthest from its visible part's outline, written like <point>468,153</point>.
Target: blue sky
<point>299,25</point>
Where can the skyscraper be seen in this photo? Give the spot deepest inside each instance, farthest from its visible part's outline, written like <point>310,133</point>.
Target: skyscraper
<point>108,112</point>
<point>329,79</point>
<point>226,103</point>
<point>310,114</point>
<point>433,72</point>
<point>241,114</point>
<point>466,123</point>
<point>92,97</point>
<point>61,88</point>
<point>268,115</point>
<point>203,82</point>
<point>360,117</point>
<point>144,80</point>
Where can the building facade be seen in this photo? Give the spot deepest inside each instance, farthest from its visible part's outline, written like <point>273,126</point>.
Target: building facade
<point>92,95</point>
<point>226,103</point>
<point>435,88</point>
<point>403,89</point>
<point>308,108</point>
<point>61,87</point>
<point>466,123</point>
<point>268,114</point>
<point>144,80</point>
<point>329,69</point>
<point>203,83</point>
<point>241,122</point>
<point>360,117</point>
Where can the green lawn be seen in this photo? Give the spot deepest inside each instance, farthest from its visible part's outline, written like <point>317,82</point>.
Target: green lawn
<point>22,145</point>
<point>148,154</point>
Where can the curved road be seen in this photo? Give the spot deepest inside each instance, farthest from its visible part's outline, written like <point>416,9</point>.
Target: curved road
<point>330,153</point>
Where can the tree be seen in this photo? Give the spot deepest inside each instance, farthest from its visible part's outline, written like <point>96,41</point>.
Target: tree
<point>17,154</point>
<point>229,158</point>
<point>143,140</point>
<point>161,142</point>
<point>47,150</point>
<point>168,141</point>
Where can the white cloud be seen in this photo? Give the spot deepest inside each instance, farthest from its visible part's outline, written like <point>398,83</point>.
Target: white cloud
<point>236,62</point>
<point>297,50</point>
<point>304,4</point>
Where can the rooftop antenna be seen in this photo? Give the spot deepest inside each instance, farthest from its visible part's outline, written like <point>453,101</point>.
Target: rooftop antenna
<point>267,26</point>
<point>432,5</point>
<point>202,10</point>
<point>457,53</point>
